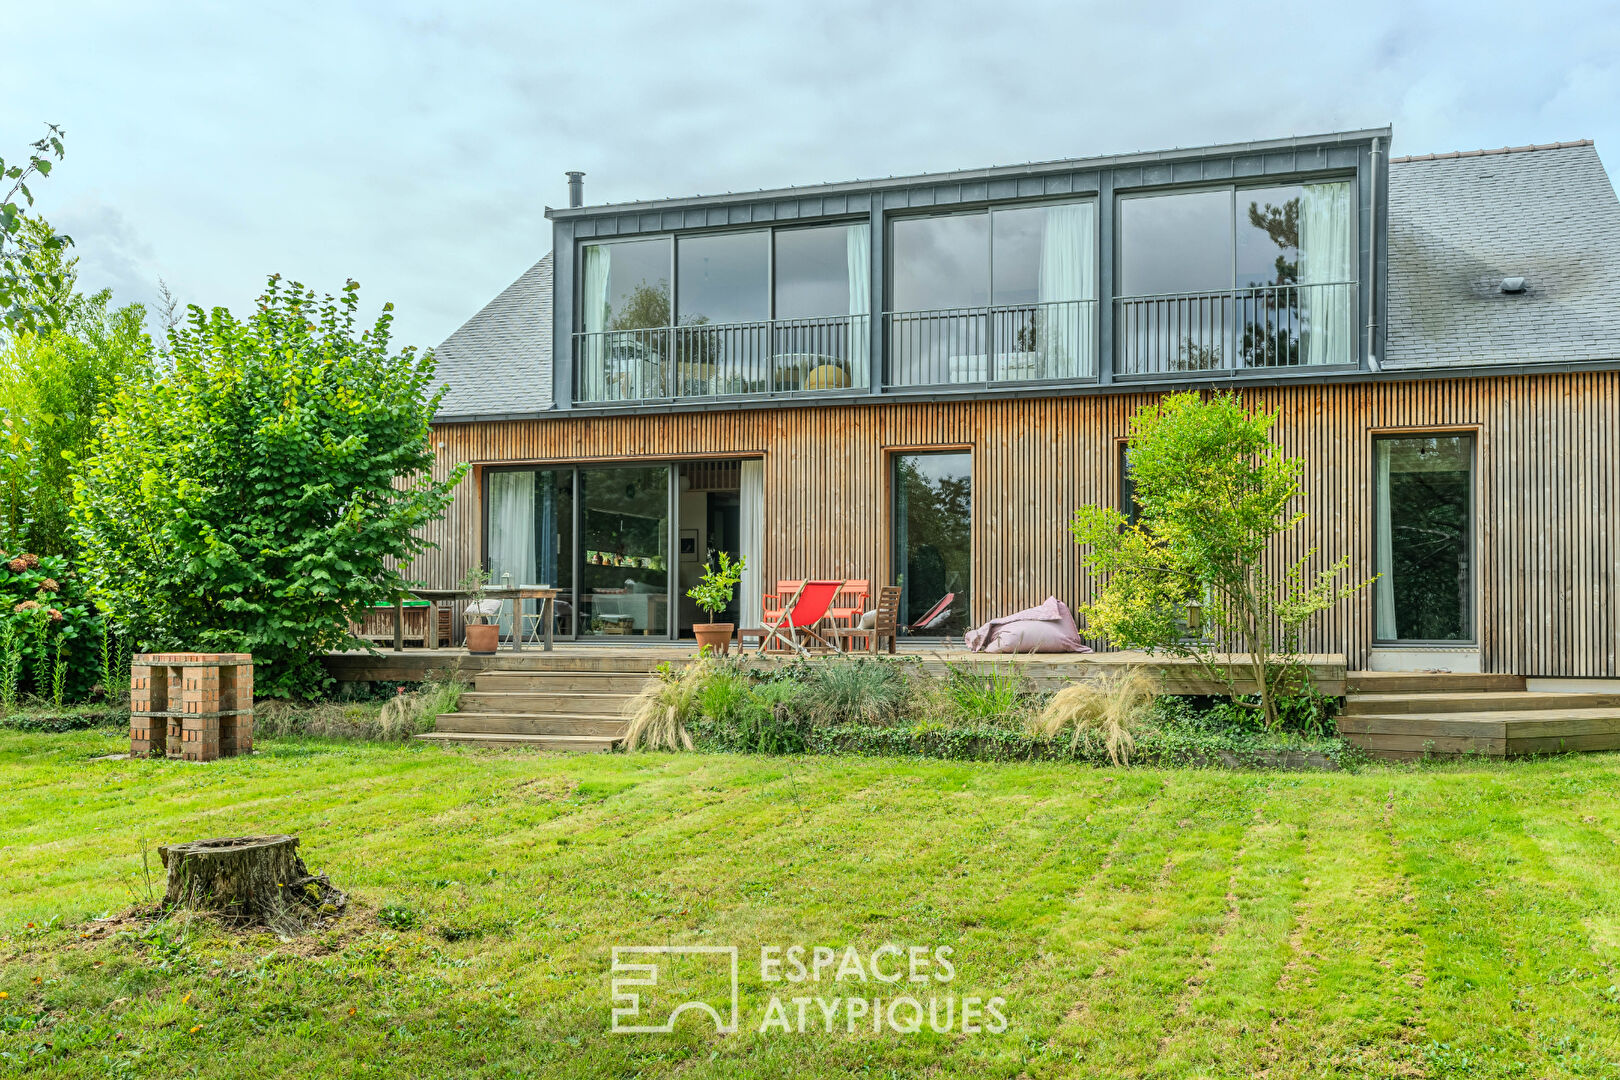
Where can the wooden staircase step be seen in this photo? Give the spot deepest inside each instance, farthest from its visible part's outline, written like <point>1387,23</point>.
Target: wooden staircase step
<point>530,724</point>
<point>1471,702</point>
<point>1430,682</point>
<point>572,701</point>
<point>625,662</point>
<point>578,744</point>
<point>1494,733</point>
<point>612,682</point>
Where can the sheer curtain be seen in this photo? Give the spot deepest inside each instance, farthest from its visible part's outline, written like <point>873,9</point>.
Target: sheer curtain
<point>751,524</point>
<point>1384,557</point>
<point>1067,274</point>
<point>511,534</point>
<point>858,253</point>
<point>594,308</point>
<point>1325,262</point>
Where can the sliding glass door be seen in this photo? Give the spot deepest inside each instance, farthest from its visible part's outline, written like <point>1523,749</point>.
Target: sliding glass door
<point>530,536</point>
<point>624,551</point>
<point>1424,538</point>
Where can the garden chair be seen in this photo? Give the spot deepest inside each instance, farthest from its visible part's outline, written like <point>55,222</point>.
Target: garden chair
<point>885,622</point>
<point>800,616</point>
<point>850,603</point>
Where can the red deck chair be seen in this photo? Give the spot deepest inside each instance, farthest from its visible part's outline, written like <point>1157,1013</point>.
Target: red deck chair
<point>800,616</point>
<point>933,615</point>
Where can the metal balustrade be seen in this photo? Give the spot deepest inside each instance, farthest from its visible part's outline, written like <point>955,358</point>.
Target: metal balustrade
<point>703,360</point>
<point>1259,327</point>
<point>1010,343</point>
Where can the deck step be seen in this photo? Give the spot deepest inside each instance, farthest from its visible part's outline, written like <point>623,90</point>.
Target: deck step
<point>1430,682</point>
<point>611,682</point>
<point>629,661</point>
<point>1498,733</point>
<point>570,701</point>
<point>1472,702</point>
<point>578,744</point>
<point>530,724</point>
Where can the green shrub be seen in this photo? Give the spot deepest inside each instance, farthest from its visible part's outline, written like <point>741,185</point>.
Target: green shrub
<point>266,488</point>
<point>985,693</point>
<point>44,615</point>
<point>860,690</point>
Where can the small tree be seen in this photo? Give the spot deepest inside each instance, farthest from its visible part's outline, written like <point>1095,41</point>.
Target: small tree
<point>1213,494</point>
<point>714,590</point>
<point>266,490</point>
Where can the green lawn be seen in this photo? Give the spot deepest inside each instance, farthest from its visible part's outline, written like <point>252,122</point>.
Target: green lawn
<point>1458,920</point>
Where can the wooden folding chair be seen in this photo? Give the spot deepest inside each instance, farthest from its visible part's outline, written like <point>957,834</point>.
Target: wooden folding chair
<point>801,615</point>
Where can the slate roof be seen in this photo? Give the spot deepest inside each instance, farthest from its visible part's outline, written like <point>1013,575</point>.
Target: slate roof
<point>1459,223</point>
<point>498,364</point>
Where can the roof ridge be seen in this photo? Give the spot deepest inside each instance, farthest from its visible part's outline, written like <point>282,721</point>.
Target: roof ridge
<point>1487,153</point>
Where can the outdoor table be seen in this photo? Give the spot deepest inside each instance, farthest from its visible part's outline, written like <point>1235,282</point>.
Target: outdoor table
<point>546,595</point>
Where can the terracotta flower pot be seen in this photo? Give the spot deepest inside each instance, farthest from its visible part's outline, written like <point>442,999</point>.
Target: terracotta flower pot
<point>716,636</point>
<point>483,638</point>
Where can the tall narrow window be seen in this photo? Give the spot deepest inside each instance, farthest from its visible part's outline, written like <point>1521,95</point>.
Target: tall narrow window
<point>823,281</point>
<point>625,295</point>
<point>723,304</point>
<point>1424,517</point>
<point>933,515</point>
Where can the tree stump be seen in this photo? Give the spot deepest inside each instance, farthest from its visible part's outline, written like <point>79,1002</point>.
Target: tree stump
<point>248,879</point>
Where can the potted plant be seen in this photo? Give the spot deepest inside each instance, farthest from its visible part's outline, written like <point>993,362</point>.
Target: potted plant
<point>483,634</point>
<point>713,593</point>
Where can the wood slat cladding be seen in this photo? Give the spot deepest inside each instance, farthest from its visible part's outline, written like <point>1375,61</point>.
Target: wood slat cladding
<point>1547,493</point>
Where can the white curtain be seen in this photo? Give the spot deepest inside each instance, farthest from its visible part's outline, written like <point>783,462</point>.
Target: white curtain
<point>751,523</point>
<point>594,307</point>
<point>1325,263</point>
<point>858,252</point>
<point>511,535</point>
<point>1067,274</point>
<point>1384,557</point>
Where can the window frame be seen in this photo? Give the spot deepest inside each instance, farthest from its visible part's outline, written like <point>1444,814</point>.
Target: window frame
<point>1472,595</point>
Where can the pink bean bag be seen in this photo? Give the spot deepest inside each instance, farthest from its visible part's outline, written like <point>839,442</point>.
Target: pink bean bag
<point>1046,627</point>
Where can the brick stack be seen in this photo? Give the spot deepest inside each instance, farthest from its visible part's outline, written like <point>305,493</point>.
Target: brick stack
<point>191,706</point>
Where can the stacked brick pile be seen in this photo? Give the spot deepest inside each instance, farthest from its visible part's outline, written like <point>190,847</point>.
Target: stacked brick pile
<point>191,706</point>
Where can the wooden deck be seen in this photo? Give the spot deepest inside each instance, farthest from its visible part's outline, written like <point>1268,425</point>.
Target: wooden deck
<point>1045,670</point>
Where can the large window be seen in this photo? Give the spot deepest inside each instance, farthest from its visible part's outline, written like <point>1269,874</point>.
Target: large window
<point>1424,538</point>
<point>996,295</point>
<point>933,516</point>
<point>1237,278</point>
<point>753,311</point>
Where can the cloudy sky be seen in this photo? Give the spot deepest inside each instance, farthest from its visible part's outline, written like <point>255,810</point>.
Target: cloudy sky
<point>413,147</point>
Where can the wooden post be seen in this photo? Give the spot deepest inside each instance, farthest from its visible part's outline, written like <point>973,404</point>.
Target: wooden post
<point>399,623</point>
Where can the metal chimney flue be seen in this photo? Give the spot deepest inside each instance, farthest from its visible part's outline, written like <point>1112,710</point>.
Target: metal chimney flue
<point>576,188</point>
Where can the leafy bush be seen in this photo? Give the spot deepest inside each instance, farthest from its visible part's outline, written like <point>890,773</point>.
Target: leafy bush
<point>55,386</point>
<point>49,637</point>
<point>263,492</point>
<point>988,693</point>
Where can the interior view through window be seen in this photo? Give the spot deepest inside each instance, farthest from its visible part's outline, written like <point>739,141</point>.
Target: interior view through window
<point>622,545</point>
<point>933,515</point>
<point>1424,490</point>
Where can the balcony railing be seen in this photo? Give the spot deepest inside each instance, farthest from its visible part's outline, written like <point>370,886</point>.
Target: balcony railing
<point>1012,343</point>
<point>701,360</point>
<point>1268,326</point>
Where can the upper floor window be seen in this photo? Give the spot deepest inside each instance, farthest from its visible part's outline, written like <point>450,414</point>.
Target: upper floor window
<point>1237,277</point>
<point>752,311</point>
<point>1007,293</point>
